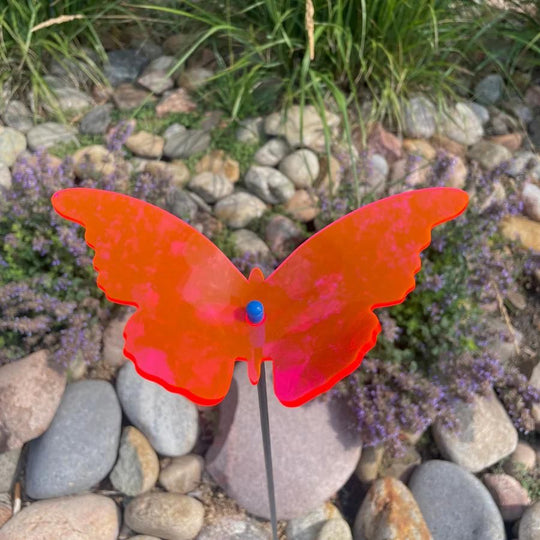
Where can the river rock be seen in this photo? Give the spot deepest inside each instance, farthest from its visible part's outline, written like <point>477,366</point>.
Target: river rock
<point>126,96</point>
<point>487,434</point>
<point>5,176</point>
<point>175,101</point>
<point>239,209</point>
<point>113,340</point>
<point>529,526</point>
<point>17,116</point>
<point>335,529</point>
<point>454,503</point>
<point>419,118</point>
<point>124,65</point>
<point>12,144</point>
<point>269,184</point>
<point>462,125</point>
<point>309,525</point>
<point>169,421</point>
<point>246,242</point>
<point>30,392</point>
<point>370,461</point>
<point>156,81</point>
<point>283,236</point>
<point>389,511</point>
<point>218,162</point>
<point>182,474</point>
<point>146,145</point>
<point>234,528</point>
<point>185,144</point>
<point>303,206</point>
<point>83,517</point>
<point>489,154</point>
<point>523,458</point>
<point>49,134</point>
<point>511,497</point>
<point>193,78</point>
<point>313,444</point>
<point>301,167</point>
<point>210,187</point>
<point>8,468</point>
<point>530,195</point>
<point>250,130</point>
<point>6,508</point>
<point>489,90</point>
<point>80,447</point>
<point>71,99</point>
<point>522,229</point>
<point>137,468</point>
<point>175,172</point>
<point>97,162</point>
<point>271,152</point>
<point>170,516</point>
<point>96,121</point>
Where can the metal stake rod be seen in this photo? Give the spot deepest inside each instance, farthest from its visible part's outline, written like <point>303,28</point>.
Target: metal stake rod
<point>265,430</point>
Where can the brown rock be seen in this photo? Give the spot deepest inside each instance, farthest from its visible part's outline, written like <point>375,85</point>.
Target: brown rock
<point>532,96</point>
<point>382,142</point>
<point>218,162</point>
<point>30,392</point>
<point>389,511</point>
<point>193,78</point>
<point>182,474</point>
<point>113,340</point>
<point>330,174</point>
<point>450,146</point>
<point>419,147</point>
<point>145,144</point>
<point>96,161</point>
<point>370,461</point>
<point>175,171</point>
<point>302,206</point>
<point>523,458</point>
<point>177,101</point>
<point>509,495</point>
<point>166,515</point>
<point>512,141</point>
<point>400,467</point>
<point>5,508</point>
<point>156,81</point>
<point>81,517</point>
<point>456,174</point>
<point>126,97</point>
<point>522,229</point>
<point>412,170</point>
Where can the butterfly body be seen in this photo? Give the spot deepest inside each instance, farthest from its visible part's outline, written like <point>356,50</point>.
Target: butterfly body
<point>192,323</point>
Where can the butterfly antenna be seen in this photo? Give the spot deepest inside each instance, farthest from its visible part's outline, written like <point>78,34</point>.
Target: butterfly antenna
<point>265,430</point>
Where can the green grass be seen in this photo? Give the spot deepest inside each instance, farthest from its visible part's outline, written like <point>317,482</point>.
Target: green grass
<point>63,150</point>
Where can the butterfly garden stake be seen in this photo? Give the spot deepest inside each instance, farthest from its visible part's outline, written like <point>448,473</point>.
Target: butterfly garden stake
<point>197,315</point>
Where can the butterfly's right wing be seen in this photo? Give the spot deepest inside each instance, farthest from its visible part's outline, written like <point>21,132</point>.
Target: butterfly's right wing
<point>320,300</point>
<point>189,326</point>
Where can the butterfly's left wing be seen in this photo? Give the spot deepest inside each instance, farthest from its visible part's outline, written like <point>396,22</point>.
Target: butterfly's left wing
<point>320,300</point>
<point>189,326</point>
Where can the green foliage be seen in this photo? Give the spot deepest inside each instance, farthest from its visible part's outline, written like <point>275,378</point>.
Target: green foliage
<point>34,32</point>
<point>225,139</point>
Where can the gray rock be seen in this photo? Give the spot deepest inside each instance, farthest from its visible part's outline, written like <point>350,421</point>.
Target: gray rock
<point>211,187</point>
<point>161,63</point>
<point>137,468</point>
<point>96,121</point>
<point>454,503</point>
<point>124,66</point>
<point>309,525</point>
<point>234,528</point>
<point>17,116</point>
<point>462,125</point>
<point>71,99</point>
<point>521,162</point>
<point>113,339</point>
<point>182,474</point>
<point>529,526</point>
<point>30,392</point>
<point>8,467</point>
<point>389,511</point>
<point>12,144</point>
<point>166,515</point>
<point>301,167</point>
<point>186,143</point>
<point>5,176</point>
<point>80,446</point>
<point>250,130</point>
<point>487,434</point>
<point>370,461</point>
<point>502,123</point>
<point>283,236</point>
<point>489,90</point>
<point>156,81</point>
<point>83,517</point>
<point>481,112</point>
<point>490,155</point>
<point>193,78</point>
<point>530,195</point>
<point>247,242</point>
<point>377,173</point>
<point>313,444</point>
<point>49,134</point>
<point>147,47</point>
<point>239,209</point>
<point>519,109</point>
<point>169,421</point>
<point>127,96</point>
<point>419,118</point>
<point>269,184</point>
<point>173,129</point>
<point>181,204</point>
<point>272,152</point>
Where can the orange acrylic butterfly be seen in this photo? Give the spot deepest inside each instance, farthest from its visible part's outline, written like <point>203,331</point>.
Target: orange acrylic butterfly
<point>190,326</point>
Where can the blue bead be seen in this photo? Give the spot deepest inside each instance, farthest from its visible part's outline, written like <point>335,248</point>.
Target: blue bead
<point>255,312</point>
